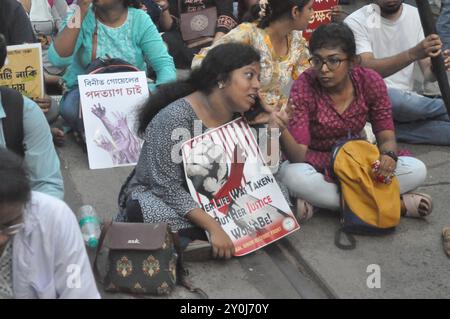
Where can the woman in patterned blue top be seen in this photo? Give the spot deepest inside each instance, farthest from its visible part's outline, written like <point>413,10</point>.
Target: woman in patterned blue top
<point>124,32</point>
<point>224,86</point>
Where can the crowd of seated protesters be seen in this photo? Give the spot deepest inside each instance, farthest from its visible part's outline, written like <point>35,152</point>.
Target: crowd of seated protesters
<point>313,94</point>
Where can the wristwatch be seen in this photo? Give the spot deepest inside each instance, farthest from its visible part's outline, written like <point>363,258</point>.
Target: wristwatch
<point>391,154</point>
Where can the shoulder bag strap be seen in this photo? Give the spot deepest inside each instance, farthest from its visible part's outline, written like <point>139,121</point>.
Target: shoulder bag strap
<point>105,230</point>
<point>94,39</point>
<point>341,231</point>
<point>13,130</point>
<point>183,272</point>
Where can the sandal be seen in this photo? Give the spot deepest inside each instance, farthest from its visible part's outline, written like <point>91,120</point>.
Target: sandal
<point>446,240</point>
<point>304,210</point>
<point>413,202</point>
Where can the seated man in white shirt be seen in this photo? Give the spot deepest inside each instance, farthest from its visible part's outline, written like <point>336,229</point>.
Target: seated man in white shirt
<point>42,253</point>
<point>389,39</point>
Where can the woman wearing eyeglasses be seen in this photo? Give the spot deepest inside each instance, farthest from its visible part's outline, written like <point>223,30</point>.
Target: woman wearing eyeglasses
<point>42,254</point>
<point>332,100</point>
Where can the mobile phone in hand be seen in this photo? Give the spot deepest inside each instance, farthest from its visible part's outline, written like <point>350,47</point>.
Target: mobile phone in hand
<point>254,110</point>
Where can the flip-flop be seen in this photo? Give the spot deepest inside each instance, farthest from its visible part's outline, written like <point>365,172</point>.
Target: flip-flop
<point>412,203</point>
<point>304,210</point>
<point>446,240</point>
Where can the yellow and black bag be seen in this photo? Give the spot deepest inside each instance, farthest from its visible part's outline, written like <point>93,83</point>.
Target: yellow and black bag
<point>367,207</point>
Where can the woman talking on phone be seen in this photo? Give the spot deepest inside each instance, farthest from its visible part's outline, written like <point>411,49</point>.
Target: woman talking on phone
<point>107,28</point>
<point>224,87</point>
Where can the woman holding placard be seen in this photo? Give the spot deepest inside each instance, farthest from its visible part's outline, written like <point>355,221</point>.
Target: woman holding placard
<point>225,86</point>
<point>107,28</point>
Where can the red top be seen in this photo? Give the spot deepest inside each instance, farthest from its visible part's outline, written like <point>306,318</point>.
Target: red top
<point>316,122</point>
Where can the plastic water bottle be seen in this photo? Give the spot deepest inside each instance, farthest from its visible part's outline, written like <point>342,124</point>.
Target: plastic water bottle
<point>90,225</point>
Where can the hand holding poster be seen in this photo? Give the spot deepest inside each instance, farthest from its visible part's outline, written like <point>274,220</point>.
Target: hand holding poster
<point>109,102</point>
<point>23,70</point>
<point>322,15</point>
<point>227,176</point>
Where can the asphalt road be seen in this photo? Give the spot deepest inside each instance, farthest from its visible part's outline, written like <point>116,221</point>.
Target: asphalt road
<point>410,262</point>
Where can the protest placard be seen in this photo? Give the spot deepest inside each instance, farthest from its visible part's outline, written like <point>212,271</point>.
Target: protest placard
<point>322,15</point>
<point>109,103</point>
<point>227,176</point>
<point>23,70</point>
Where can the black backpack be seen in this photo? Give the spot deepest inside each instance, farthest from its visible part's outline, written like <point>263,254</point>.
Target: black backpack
<point>12,102</point>
<point>110,65</point>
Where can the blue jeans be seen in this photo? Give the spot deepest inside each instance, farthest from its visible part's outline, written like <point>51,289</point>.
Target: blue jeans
<point>443,24</point>
<point>419,119</point>
<point>70,109</point>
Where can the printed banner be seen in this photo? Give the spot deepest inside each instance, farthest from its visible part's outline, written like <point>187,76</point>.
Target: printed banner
<point>23,70</point>
<point>109,102</point>
<point>227,176</point>
<point>322,15</point>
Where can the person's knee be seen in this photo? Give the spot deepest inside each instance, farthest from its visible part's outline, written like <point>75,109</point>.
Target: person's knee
<point>70,106</point>
<point>420,170</point>
<point>53,112</point>
<point>68,112</point>
<point>399,102</point>
<point>295,177</point>
<point>402,100</point>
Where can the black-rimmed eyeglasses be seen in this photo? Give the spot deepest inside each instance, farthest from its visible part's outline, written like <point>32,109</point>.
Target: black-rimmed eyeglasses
<point>332,63</point>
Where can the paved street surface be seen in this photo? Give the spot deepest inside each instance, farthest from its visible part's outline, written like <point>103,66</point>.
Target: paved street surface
<point>269,273</point>
<point>306,264</point>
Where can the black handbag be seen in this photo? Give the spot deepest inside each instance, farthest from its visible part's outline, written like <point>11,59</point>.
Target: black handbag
<point>143,259</point>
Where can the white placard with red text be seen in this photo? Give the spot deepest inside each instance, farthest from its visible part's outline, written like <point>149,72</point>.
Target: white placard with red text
<point>227,176</point>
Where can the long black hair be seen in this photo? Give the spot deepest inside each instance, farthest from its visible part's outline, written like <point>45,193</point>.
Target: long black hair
<point>275,10</point>
<point>216,67</point>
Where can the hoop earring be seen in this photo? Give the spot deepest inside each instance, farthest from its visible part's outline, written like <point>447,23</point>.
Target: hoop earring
<point>221,85</point>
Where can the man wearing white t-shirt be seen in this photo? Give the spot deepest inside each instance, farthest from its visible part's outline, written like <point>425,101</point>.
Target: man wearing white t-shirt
<point>390,39</point>
<point>443,23</point>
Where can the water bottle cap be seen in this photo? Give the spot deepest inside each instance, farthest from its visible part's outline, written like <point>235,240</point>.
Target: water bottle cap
<point>92,242</point>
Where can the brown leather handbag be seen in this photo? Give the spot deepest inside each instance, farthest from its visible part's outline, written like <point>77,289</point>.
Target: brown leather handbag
<point>142,259</point>
<point>198,27</point>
